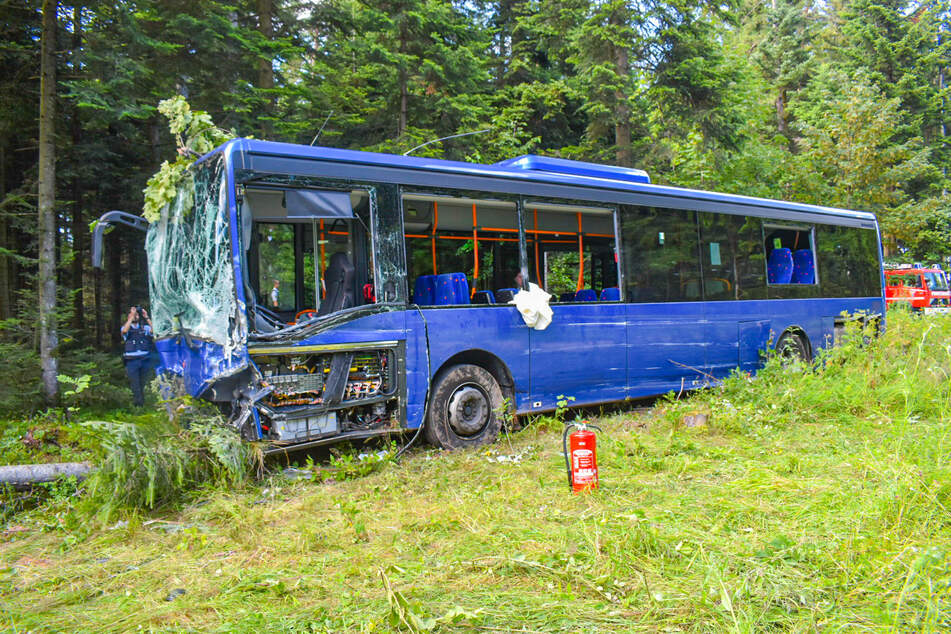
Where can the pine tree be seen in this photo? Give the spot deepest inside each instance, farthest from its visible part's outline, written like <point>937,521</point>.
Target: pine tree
<point>852,154</point>
<point>784,51</point>
<point>537,93</point>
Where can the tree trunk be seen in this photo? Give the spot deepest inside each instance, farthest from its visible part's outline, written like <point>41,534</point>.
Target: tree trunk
<point>46,279</point>
<point>622,111</point>
<point>266,64</point>
<point>78,228</point>
<point>781,126</point>
<point>404,105</point>
<point>404,88</point>
<point>155,140</point>
<point>6,310</point>
<point>115,277</point>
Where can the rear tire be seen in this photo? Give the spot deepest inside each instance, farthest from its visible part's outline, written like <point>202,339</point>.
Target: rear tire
<point>792,347</point>
<point>464,408</point>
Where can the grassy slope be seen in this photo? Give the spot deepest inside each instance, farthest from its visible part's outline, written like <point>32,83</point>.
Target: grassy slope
<point>807,502</point>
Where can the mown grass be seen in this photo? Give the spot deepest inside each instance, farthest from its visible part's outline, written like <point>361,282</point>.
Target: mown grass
<point>813,499</point>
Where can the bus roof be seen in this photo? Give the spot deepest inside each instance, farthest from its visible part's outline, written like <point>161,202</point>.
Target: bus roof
<point>528,168</point>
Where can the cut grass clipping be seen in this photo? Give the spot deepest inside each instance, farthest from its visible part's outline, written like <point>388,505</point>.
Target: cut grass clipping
<point>814,498</point>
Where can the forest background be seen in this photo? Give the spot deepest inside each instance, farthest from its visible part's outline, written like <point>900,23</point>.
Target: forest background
<point>840,103</point>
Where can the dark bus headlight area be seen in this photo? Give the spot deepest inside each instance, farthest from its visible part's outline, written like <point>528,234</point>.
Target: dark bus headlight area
<point>302,395</point>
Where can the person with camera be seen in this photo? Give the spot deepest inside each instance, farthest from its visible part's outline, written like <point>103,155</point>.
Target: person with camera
<point>137,335</point>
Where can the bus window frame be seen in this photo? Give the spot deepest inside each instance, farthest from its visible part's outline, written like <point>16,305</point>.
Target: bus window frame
<point>522,204</point>
<point>551,203</point>
<point>457,196</point>
<point>791,226</point>
<point>374,190</point>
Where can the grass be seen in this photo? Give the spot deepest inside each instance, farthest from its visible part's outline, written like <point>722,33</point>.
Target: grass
<point>812,499</point>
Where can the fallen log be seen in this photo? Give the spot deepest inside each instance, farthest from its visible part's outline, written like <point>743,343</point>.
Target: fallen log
<point>28,474</point>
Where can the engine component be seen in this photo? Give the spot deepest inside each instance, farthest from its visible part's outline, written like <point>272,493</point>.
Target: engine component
<point>287,429</point>
<point>304,396</point>
<point>307,380</point>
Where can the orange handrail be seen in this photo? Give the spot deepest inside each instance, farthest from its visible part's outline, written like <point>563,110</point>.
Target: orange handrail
<point>435,224</point>
<point>475,249</point>
<point>580,255</point>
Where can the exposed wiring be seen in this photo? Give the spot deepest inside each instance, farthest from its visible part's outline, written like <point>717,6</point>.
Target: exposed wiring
<point>429,375</point>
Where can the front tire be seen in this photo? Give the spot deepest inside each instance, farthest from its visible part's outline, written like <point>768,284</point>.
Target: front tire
<point>464,408</point>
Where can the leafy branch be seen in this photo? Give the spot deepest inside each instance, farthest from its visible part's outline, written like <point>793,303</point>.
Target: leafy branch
<point>195,135</point>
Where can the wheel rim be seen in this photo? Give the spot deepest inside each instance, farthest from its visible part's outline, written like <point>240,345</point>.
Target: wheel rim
<point>468,410</point>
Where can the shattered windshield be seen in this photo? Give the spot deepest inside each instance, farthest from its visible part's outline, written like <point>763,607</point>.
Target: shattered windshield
<point>191,280</point>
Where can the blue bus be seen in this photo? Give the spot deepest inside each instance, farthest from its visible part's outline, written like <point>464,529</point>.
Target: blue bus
<point>318,294</point>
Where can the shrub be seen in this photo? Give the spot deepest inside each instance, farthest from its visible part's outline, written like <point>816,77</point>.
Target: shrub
<point>901,376</point>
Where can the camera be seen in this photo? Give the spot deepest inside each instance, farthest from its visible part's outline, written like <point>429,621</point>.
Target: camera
<point>139,312</point>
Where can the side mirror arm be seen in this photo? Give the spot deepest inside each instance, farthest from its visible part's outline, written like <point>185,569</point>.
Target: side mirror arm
<point>105,221</point>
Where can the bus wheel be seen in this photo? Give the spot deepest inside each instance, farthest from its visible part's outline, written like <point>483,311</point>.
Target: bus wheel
<point>792,348</point>
<point>464,408</point>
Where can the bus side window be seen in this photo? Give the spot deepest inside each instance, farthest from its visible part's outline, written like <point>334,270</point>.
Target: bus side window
<point>790,255</point>
<point>473,239</point>
<point>661,261</point>
<point>571,250</point>
<point>848,259</point>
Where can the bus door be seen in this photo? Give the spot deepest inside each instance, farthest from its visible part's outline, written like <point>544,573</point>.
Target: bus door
<point>583,352</point>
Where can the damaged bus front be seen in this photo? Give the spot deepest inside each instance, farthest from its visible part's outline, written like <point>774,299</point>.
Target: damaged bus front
<point>264,301</point>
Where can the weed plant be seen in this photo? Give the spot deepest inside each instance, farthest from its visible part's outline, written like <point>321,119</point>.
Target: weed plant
<point>901,378</point>
<point>20,389</point>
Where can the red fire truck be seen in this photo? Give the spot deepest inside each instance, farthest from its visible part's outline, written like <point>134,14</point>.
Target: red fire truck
<point>925,289</point>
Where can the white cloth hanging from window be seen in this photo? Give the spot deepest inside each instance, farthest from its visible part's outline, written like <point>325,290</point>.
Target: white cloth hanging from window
<point>533,305</point>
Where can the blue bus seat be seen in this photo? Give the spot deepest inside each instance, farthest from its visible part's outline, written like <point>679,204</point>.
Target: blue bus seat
<point>505,295</point>
<point>424,291</point>
<point>804,267</point>
<point>483,297</point>
<point>586,295</point>
<point>779,269</point>
<point>445,290</point>
<point>611,294</point>
<point>566,297</point>
<point>460,286</point>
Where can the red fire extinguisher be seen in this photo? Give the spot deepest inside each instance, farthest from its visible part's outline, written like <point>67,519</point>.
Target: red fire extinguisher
<point>581,461</point>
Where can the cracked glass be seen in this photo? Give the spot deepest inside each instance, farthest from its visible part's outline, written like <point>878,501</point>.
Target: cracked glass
<point>191,279</point>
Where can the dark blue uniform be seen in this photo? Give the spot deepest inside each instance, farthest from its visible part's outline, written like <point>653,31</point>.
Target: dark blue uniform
<point>138,346</point>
